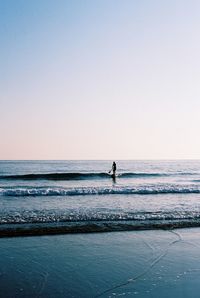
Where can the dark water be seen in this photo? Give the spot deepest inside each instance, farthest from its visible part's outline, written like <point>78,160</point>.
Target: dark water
<point>41,197</point>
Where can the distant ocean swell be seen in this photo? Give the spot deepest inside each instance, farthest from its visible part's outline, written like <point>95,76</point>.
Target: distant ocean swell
<point>77,191</point>
<point>86,176</point>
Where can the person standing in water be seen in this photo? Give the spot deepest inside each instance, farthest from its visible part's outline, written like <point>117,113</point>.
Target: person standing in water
<point>114,168</point>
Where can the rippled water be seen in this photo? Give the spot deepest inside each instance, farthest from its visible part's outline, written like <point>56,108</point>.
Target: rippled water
<point>69,194</point>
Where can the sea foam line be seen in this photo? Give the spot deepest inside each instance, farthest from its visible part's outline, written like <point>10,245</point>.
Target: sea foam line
<point>77,216</point>
<point>124,190</point>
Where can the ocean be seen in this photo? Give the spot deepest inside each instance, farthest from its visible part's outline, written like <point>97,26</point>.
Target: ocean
<point>52,197</point>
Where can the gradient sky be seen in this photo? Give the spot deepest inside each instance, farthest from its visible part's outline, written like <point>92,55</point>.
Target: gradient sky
<point>99,79</point>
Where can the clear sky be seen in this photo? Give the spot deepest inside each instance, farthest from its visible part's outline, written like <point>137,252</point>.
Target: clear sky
<point>99,79</point>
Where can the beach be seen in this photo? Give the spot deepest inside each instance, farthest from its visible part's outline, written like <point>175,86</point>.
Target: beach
<point>67,229</point>
<point>156,263</point>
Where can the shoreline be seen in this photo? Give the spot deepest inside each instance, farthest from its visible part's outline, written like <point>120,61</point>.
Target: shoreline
<point>90,227</point>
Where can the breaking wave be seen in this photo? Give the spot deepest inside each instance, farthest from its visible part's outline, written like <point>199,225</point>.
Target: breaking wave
<point>77,191</point>
<point>13,230</point>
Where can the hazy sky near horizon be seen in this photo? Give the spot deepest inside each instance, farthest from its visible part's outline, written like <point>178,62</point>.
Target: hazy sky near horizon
<point>99,79</point>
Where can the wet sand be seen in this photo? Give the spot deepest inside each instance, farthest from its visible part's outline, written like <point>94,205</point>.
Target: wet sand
<point>129,264</point>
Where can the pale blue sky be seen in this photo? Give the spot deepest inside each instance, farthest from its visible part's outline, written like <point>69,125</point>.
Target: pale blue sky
<point>99,79</point>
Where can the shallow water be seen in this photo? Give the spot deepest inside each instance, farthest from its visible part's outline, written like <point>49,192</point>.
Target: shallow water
<point>128,264</point>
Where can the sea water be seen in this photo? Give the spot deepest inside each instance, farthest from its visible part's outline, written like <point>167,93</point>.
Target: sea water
<point>81,196</point>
